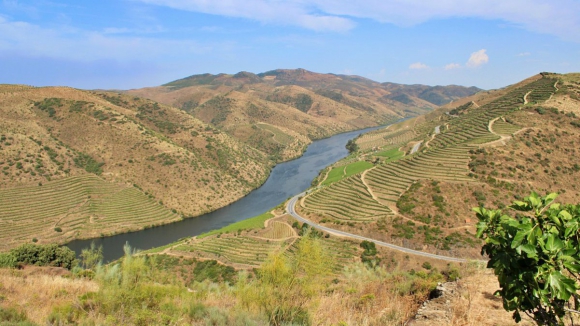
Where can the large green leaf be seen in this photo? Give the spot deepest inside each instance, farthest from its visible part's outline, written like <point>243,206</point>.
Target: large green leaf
<point>564,215</point>
<point>529,249</point>
<point>561,286</point>
<point>554,243</point>
<point>550,198</point>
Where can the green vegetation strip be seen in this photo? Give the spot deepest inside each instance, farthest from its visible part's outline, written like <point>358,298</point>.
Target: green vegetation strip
<point>256,222</point>
<point>339,173</point>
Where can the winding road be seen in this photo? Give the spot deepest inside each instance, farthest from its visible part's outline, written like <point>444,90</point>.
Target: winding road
<point>290,208</point>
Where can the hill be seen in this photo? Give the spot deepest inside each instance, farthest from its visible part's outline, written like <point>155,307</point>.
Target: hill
<point>78,164</point>
<point>414,183</point>
<point>280,111</point>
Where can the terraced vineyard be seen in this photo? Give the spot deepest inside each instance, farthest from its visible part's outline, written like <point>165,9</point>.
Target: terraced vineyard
<point>347,200</point>
<point>342,171</point>
<point>278,230</point>
<point>343,252</point>
<point>79,206</point>
<point>389,181</point>
<point>375,194</point>
<point>472,127</point>
<point>243,250</point>
<point>504,128</point>
<point>384,139</point>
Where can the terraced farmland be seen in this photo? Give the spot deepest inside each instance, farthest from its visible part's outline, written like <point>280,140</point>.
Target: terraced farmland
<point>504,128</point>
<point>384,138</point>
<point>79,206</point>
<point>348,200</point>
<point>342,171</point>
<point>343,252</point>
<point>278,230</point>
<point>389,181</point>
<point>243,250</point>
<point>473,126</point>
<point>375,193</point>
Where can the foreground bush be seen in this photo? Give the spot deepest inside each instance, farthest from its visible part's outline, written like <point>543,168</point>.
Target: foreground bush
<point>39,255</point>
<point>535,255</point>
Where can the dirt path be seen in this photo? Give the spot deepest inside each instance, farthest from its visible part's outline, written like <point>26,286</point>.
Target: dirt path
<point>526,97</point>
<point>362,178</point>
<point>556,87</point>
<point>436,132</point>
<point>502,141</point>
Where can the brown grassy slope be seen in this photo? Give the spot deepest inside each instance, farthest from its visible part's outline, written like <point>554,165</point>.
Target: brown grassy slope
<point>312,105</point>
<point>485,97</point>
<point>37,291</point>
<point>169,155</point>
<point>541,157</point>
<point>433,191</point>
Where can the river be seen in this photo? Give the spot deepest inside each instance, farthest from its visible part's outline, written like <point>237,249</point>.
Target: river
<point>286,180</point>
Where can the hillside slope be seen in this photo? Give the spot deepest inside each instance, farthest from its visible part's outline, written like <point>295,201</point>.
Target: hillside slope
<point>82,164</point>
<point>490,150</point>
<point>296,106</point>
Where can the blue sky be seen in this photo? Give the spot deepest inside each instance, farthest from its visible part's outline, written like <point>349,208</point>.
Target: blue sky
<point>127,44</point>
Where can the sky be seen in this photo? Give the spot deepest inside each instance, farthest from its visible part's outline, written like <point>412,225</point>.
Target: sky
<point>125,44</point>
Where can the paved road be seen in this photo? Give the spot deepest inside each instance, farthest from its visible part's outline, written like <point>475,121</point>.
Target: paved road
<point>290,209</point>
<point>416,147</point>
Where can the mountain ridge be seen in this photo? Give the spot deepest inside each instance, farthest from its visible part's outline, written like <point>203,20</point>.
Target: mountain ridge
<point>313,105</point>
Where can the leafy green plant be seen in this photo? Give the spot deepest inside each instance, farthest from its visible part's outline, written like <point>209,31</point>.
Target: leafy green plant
<point>43,255</point>
<point>535,256</point>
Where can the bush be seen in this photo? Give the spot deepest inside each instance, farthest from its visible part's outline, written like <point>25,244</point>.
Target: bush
<point>535,256</point>
<point>7,260</point>
<point>44,255</point>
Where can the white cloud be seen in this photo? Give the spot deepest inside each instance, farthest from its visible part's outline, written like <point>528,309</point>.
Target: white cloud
<point>452,66</point>
<point>477,59</point>
<point>69,43</point>
<point>293,12</point>
<point>418,66</point>
<point>560,17</point>
<point>523,54</point>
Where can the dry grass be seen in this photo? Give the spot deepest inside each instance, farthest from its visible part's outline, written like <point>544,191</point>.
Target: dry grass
<point>36,291</point>
<point>475,303</point>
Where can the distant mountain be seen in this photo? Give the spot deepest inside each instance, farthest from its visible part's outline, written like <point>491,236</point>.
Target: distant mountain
<point>438,95</point>
<point>296,105</point>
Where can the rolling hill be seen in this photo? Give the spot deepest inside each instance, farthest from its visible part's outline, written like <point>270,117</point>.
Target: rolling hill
<point>78,164</point>
<point>296,106</point>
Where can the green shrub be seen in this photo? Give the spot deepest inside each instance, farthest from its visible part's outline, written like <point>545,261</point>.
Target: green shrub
<point>7,260</point>
<point>44,255</point>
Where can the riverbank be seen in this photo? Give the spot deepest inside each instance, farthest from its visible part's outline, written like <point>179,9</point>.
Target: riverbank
<point>286,180</point>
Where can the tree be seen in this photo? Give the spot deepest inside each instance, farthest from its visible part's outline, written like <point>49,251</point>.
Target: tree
<point>351,146</point>
<point>44,255</point>
<point>535,256</point>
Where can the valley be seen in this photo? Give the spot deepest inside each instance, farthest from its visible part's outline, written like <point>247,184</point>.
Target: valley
<point>389,220</point>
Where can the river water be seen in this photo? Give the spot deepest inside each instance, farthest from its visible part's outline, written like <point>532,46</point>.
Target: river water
<point>286,180</point>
